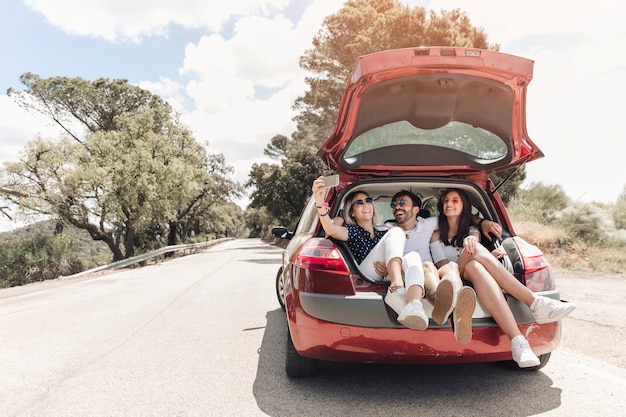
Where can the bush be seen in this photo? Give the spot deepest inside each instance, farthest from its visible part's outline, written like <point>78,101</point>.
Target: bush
<point>36,259</point>
<point>619,211</point>
<point>538,202</point>
<point>581,223</point>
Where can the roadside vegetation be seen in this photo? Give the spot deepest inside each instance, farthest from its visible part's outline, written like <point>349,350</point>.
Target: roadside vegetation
<point>128,177</point>
<point>573,236</point>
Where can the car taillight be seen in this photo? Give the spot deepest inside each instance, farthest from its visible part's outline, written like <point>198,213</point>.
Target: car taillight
<point>537,274</point>
<point>321,254</point>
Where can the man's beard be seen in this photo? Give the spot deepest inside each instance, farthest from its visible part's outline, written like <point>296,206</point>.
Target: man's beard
<point>406,219</point>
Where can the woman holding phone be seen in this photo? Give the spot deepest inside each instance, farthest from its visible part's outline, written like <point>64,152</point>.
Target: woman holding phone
<point>369,245</point>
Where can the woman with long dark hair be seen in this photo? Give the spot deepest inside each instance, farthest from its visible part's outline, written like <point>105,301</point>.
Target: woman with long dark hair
<point>457,241</point>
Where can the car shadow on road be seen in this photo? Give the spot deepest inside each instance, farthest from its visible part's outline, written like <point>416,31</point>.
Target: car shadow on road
<point>341,389</point>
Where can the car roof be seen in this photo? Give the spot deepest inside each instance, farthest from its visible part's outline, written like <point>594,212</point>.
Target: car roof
<point>437,111</point>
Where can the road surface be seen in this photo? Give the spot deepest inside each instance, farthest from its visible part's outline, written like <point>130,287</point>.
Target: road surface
<point>203,335</point>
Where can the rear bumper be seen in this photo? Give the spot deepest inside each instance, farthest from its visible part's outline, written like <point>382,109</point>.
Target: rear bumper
<point>368,332</point>
<point>368,309</point>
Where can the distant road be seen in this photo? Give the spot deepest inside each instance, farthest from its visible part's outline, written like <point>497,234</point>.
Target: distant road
<point>203,335</point>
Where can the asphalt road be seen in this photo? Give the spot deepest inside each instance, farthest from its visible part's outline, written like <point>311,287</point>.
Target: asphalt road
<point>204,335</point>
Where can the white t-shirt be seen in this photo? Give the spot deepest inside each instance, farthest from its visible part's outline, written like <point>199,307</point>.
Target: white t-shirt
<point>418,238</point>
<point>449,252</point>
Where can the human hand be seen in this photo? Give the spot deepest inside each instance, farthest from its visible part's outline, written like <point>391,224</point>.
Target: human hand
<point>380,268</point>
<point>499,253</point>
<point>319,190</point>
<point>469,244</point>
<point>488,227</point>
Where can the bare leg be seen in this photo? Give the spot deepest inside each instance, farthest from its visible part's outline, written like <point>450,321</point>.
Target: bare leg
<point>452,272</point>
<point>431,281</point>
<point>414,292</point>
<point>394,269</point>
<point>447,292</point>
<point>504,279</point>
<point>490,295</point>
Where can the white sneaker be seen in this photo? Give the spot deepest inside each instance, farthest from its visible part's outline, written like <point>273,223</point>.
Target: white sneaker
<point>413,316</point>
<point>522,353</point>
<point>396,299</point>
<point>547,310</point>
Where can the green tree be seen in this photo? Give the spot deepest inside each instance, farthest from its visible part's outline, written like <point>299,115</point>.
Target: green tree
<point>280,190</point>
<point>75,104</point>
<point>259,222</point>
<point>619,210</point>
<point>511,180</point>
<point>277,148</point>
<point>359,27</point>
<point>365,26</point>
<point>538,202</point>
<point>136,170</point>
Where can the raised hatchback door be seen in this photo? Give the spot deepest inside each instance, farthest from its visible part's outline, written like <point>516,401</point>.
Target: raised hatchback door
<point>434,111</point>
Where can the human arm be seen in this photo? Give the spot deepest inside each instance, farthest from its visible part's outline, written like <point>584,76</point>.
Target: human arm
<point>436,250</point>
<point>332,229</point>
<point>487,227</point>
<point>338,221</point>
<point>499,252</point>
<point>380,268</point>
<point>470,241</point>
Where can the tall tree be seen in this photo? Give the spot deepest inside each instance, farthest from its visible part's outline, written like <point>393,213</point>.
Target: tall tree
<point>365,26</point>
<point>279,189</point>
<point>358,28</point>
<point>75,104</point>
<point>136,169</point>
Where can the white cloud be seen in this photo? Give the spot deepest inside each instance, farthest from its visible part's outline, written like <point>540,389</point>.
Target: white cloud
<point>238,88</point>
<point>19,127</point>
<point>122,19</point>
<point>168,88</point>
<point>244,87</point>
<point>572,111</point>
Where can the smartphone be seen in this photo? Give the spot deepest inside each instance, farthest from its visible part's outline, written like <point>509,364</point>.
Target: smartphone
<point>331,180</point>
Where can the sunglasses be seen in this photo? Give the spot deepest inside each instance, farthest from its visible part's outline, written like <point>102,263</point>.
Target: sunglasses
<point>368,200</point>
<point>400,203</point>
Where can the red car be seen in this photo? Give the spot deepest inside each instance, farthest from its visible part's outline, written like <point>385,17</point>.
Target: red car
<point>423,119</point>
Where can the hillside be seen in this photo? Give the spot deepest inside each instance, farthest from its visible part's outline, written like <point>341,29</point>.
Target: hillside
<point>85,247</point>
<point>581,237</point>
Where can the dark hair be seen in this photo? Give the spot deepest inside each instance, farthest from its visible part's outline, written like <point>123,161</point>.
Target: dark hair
<point>347,208</point>
<point>464,223</point>
<point>417,202</point>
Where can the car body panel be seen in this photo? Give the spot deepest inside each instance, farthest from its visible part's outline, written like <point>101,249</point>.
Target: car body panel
<point>432,111</point>
<point>320,339</point>
<point>334,312</point>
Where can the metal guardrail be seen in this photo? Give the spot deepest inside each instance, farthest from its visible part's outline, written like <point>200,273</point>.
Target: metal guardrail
<point>153,257</point>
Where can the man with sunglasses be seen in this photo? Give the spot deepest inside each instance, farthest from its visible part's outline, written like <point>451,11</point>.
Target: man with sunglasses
<point>368,245</point>
<point>445,293</point>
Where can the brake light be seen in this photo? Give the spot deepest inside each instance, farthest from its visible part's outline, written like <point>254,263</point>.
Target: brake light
<point>321,254</point>
<point>537,272</point>
<point>531,255</point>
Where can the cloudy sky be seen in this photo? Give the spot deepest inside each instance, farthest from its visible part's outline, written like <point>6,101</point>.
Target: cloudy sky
<point>231,69</point>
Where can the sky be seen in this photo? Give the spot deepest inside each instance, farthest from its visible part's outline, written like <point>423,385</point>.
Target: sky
<point>231,70</point>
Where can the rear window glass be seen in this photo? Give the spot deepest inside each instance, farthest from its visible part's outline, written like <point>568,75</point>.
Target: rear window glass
<point>482,145</point>
<point>305,224</point>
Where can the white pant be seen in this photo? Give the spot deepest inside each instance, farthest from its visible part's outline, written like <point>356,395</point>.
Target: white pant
<point>392,246</point>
